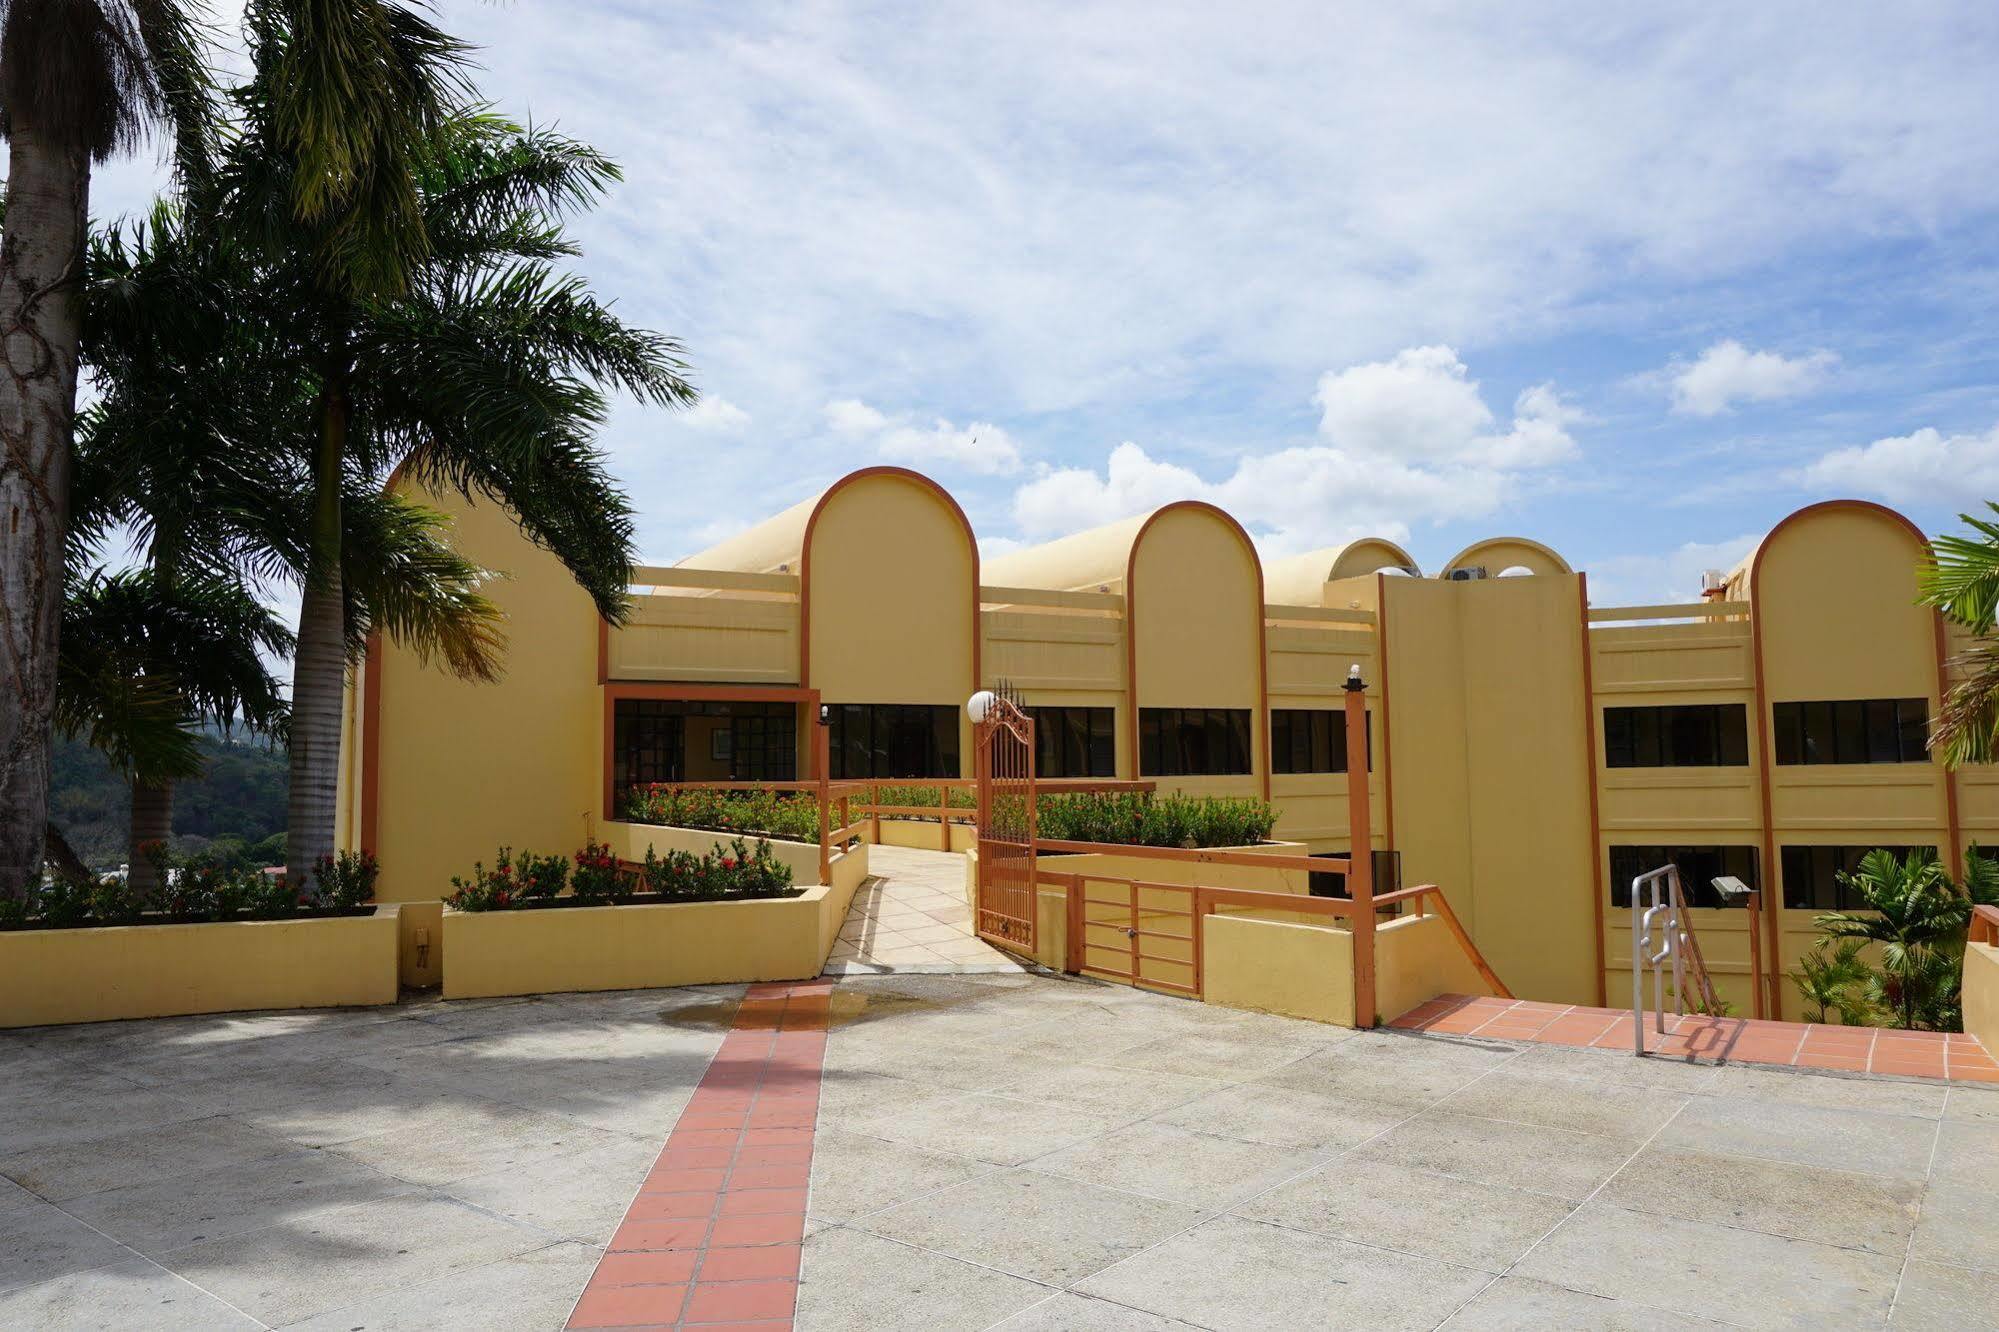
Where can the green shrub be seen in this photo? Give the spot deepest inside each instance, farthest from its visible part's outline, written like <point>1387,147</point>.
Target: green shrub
<point>735,871</point>
<point>793,817</point>
<point>960,797</point>
<point>116,902</point>
<point>596,875</point>
<point>490,890</point>
<point>1138,819</point>
<point>13,911</point>
<point>65,902</point>
<point>347,880</point>
<point>541,876</point>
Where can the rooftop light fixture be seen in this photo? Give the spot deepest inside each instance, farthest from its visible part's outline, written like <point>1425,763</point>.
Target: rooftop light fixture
<point>1354,683</point>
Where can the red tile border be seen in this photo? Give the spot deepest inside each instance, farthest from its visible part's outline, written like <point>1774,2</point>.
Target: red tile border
<point>1926,1054</point>
<point>711,1240</point>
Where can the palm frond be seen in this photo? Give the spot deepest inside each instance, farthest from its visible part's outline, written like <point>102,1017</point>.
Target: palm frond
<point>402,577</point>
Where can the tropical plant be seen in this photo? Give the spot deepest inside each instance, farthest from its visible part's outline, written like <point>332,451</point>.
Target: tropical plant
<point>736,871</point>
<point>1833,978</point>
<point>147,663</point>
<point>1913,913</point>
<point>1960,577</point>
<point>80,81</point>
<point>406,249</point>
<point>595,877</point>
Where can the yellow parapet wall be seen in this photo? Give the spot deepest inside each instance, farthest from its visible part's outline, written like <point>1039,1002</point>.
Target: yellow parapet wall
<point>565,949</point>
<point>144,971</point>
<point>1981,993</point>
<point>1415,960</point>
<point>1273,966</point>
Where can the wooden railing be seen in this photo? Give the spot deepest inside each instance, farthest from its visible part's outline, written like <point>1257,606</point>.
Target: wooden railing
<point>1984,925</point>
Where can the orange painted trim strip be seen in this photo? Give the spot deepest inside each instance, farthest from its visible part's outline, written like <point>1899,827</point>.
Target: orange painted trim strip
<point>1596,852</point>
<point>1387,747</point>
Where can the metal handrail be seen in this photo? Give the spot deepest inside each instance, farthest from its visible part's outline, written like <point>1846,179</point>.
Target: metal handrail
<point>1679,950</point>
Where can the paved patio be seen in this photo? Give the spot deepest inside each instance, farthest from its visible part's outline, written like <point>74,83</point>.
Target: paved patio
<point>1007,1151</point>
<point>911,918</point>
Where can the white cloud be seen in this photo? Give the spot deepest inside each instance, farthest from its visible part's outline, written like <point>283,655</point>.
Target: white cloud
<point>715,413</point>
<point>980,447</point>
<point>1408,438</point>
<point>1926,467</point>
<point>1728,373</point>
<point>1663,579</point>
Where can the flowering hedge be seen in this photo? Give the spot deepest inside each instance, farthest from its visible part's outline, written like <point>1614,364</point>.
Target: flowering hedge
<point>791,817</point>
<point>961,797</point>
<point>193,890</point>
<point>1137,819</point>
<point>738,872</point>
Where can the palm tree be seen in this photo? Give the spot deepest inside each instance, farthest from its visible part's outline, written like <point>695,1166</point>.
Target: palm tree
<point>80,80</point>
<point>480,374</point>
<point>1914,913</point>
<point>1961,579</point>
<point>147,664</point>
<point>1833,980</point>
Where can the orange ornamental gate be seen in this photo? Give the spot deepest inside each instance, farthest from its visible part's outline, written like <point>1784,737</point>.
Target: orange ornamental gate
<point>1003,745</point>
<point>1144,934</point>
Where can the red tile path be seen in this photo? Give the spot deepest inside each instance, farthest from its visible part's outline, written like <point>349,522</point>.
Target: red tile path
<point>712,1239</point>
<point>1921,1054</point>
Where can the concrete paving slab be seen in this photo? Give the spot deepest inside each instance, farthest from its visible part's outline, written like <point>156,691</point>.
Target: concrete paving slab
<point>39,1241</point>
<point>131,1295</point>
<point>1284,1117</point>
<point>1935,1296</point>
<point>1393,1207</point>
<point>1231,1273</point>
<point>1184,1166</point>
<point>851,1279</point>
<point>1710,1271</point>
<point>1841,1207</point>
<point>853,1174</point>
<point>1840,1139</point>
<point>529,1291</point>
<point>1067,1311</point>
<point>1515,1304</point>
<point>1033,1225</point>
<point>140,1156</point>
<point>1560,1162</point>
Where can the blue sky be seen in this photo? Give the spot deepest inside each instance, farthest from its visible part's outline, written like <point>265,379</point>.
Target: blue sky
<point>1632,280</point>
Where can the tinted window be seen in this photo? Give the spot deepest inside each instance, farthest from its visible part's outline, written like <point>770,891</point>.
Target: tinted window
<point>1387,876</point>
<point>651,738</point>
<point>1313,739</point>
<point>893,740</point>
<point>1811,874</point>
<point>1699,867</point>
<point>1698,735</point>
<point>1193,742</point>
<point>1075,742</point>
<point>1864,730</point>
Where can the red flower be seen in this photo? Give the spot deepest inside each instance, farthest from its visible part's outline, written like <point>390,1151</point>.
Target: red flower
<point>728,862</point>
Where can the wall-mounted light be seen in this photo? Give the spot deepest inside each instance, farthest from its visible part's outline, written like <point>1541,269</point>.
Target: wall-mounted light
<point>980,706</point>
<point>825,714</point>
<point>1354,683</point>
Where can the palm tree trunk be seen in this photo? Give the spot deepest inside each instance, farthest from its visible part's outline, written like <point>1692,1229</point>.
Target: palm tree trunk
<point>319,670</point>
<point>152,821</point>
<point>40,321</point>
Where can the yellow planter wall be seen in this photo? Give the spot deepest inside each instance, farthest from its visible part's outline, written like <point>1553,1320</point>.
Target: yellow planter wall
<point>144,971</point>
<point>638,947</point>
<point>1303,971</point>
<point>1416,958</point>
<point>1981,993</point>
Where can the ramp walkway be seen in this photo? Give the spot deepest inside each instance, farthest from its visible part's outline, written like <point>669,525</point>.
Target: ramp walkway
<point>910,917</point>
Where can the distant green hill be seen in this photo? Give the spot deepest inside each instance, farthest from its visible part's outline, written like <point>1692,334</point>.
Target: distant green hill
<point>240,799</point>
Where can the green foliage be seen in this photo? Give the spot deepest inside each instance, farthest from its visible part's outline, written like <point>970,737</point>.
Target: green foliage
<point>240,794</point>
<point>346,880</point>
<point>787,816</point>
<point>737,872</point>
<point>1961,579</point>
<point>1914,918</point>
<point>1138,819</point>
<point>960,797</point>
<point>595,877</point>
<point>541,876</point>
<point>1833,978</point>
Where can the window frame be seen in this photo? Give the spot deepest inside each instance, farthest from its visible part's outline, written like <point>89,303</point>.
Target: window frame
<point>1849,732</point>
<point>857,738</point>
<point>1650,735</point>
<point>1067,731</point>
<point>1822,863</point>
<point>1195,736</point>
<point>1698,890</point>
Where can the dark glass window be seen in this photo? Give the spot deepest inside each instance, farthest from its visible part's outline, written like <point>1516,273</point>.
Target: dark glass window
<point>1313,740</point>
<point>1862,730</point>
<point>730,741</point>
<point>1696,735</point>
<point>1387,876</point>
<point>1193,742</point>
<point>1699,867</point>
<point>1074,742</point>
<point>1811,874</point>
<point>893,740</point>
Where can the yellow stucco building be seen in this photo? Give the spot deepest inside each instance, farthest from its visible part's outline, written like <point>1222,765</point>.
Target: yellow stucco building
<point>1530,752</point>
